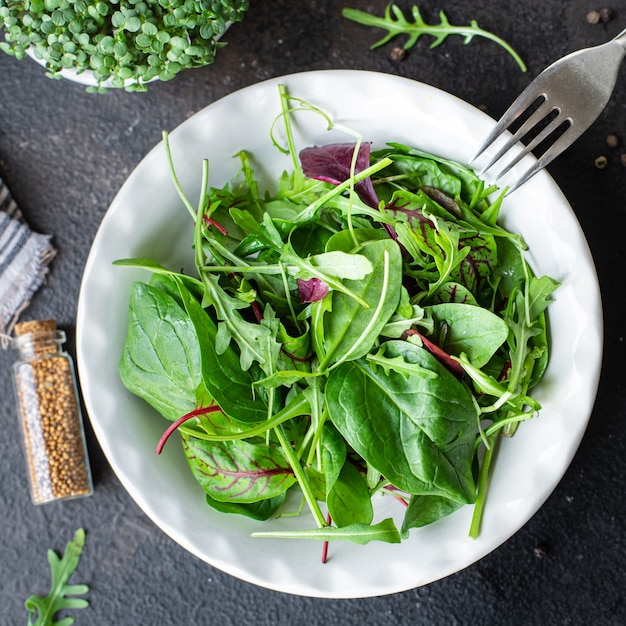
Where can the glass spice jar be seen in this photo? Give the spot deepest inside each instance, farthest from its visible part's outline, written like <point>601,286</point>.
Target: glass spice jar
<point>50,415</point>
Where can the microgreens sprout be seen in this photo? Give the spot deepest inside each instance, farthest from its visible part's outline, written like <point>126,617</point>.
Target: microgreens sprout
<point>126,43</point>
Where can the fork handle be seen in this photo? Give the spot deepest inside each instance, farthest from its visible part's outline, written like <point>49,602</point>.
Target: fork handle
<point>621,38</point>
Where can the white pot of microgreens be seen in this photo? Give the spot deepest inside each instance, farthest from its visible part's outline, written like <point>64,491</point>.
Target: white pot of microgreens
<point>108,44</point>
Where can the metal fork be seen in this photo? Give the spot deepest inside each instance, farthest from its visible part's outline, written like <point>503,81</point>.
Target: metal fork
<point>561,103</point>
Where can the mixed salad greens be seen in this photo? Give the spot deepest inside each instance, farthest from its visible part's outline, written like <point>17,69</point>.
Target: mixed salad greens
<point>365,328</point>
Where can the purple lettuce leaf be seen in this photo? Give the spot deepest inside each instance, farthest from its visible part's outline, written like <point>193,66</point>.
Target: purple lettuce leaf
<point>332,164</point>
<point>311,290</point>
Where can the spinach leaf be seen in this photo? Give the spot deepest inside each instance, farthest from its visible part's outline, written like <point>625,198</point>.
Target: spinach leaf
<point>345,240</point>
<point>349,500</point>
<point>471,330</point>
<point>261,510</point>
<point>418,432</point>
<point>161,358</point>
<point>333,451</point>
<point>424,510</point>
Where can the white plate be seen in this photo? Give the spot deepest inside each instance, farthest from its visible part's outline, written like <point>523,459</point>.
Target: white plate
<point>146,219</point>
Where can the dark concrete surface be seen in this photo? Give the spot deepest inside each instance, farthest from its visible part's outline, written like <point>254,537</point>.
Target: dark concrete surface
<point>65,153</point>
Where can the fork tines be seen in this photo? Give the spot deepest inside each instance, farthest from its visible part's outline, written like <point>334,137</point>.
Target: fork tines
<point>537,121</point>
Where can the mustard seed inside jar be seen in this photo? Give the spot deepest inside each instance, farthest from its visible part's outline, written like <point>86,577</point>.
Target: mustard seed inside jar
<point>49,411</point>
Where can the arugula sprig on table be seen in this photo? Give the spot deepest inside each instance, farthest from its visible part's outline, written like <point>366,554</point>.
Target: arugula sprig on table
<point>364,328</point>
<point>396,23</point>
<point>62,595</point>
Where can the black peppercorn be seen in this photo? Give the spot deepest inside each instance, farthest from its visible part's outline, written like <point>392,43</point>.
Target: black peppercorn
<point>606,15</point>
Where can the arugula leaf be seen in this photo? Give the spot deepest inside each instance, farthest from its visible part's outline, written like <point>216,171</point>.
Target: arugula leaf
<point>398,364</point>
<point>357,533</point>
<point>43,609</point>
<point>226,381</point>
<point>395,23</point>
<point>251,338</point>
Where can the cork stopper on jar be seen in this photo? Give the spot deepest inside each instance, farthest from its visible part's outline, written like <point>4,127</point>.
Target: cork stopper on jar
<point>34,326</point>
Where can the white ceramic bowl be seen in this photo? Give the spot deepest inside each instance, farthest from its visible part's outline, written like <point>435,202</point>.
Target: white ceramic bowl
<point>147,219</point>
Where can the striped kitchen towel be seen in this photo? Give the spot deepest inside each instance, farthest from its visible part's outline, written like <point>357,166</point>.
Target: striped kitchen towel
<point>24,259</point>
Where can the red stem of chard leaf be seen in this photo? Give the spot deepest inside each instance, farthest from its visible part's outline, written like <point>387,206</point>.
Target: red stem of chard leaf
<point>181,420</point>
<point>209,221</point>
<point>441,355</point>
<point>325,544</point>
<point>256,309</point>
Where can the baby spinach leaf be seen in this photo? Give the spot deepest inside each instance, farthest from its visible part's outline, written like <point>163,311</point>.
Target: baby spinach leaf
<point>345,240</point>
<point>430,170</point>
<point>509,272</point>
<point>350,330</point>
<point>419,169</point>
<point>471,330</point>
<point>238,471</point>
<point>161,358</point>
<point>349,500</point>
<point>333,449</point>
<point>417,431</point>
<point>261,510</point>
<point>424,510</point>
